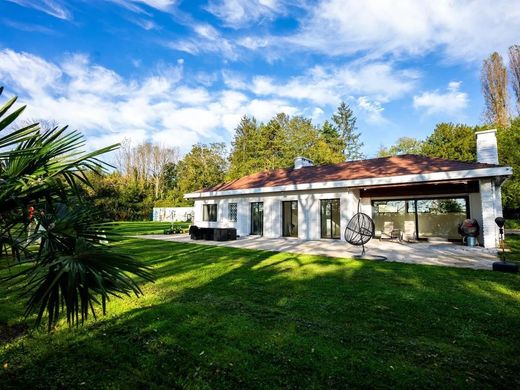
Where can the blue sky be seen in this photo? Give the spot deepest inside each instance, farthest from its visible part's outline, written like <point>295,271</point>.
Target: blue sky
<point>180,72</point>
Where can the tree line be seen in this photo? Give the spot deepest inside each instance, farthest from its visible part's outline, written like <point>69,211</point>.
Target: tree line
<point>150,175</point>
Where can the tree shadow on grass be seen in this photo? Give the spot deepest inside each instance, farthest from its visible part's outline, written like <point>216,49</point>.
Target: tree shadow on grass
<point>257,319</point>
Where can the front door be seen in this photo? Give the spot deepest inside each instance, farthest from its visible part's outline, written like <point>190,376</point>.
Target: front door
<point>257,218</point>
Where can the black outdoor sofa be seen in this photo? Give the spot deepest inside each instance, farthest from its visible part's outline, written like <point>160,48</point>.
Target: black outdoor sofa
<point>212,234</point>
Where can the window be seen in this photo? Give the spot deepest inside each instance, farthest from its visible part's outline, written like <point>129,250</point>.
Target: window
<point>290,219</point>
<point>232,212</point>
<point>209,212</point>
<point>330,218</point>
<point>420,218</point>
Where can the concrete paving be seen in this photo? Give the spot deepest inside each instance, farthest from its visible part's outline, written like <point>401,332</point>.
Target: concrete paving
<point>431,253</point>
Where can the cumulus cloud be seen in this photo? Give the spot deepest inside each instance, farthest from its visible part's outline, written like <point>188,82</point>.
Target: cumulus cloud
<point>465,30</point>
<point>451,101</point>
<point>108,108</point>
<point>328,85</point>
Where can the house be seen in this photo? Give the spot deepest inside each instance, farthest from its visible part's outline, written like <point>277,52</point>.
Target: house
<point>408,196</point>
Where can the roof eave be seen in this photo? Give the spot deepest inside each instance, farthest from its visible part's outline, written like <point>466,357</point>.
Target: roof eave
<point>367,182</point>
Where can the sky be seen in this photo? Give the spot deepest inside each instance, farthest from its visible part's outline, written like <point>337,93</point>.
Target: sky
<point>178,72</point>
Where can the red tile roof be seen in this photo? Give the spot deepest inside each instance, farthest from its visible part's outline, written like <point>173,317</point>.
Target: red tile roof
<point>407,164</point>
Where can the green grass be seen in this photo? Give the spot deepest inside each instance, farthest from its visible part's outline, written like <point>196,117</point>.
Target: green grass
<point>513,243</point>
<point>512,224</point>
<point>219,317</point>
<point>138,228</point>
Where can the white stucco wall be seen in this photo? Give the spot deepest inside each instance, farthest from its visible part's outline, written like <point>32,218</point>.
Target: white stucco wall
<point>483,208</point>
<point>308,211</point>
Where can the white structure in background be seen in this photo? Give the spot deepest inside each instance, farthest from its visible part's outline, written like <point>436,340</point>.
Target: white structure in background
<point>410,196</point>
<point>173,214</point>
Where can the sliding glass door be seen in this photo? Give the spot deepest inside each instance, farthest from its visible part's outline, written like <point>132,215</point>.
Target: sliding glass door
<point>290,219</point>
<point>420,218</point>
<point>330,218</point>
<point>257,218</point>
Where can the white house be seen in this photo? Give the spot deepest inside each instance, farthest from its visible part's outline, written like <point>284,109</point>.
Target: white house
<point>413,196</point>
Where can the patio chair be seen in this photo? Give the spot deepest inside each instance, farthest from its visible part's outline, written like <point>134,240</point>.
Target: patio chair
<point>389,232</point>
<point>409,231</point>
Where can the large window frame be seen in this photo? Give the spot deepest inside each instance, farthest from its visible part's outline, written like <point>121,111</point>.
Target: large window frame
<point>335,234</point>
<point>411,207</point>
<point>209,212</point>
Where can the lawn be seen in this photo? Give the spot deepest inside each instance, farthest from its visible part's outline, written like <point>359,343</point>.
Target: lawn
<point>137,228</point>
<point>231,318</point>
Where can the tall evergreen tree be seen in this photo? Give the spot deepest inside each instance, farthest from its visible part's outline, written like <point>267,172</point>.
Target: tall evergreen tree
<point>273,143</point>
<point>244,157</point>
<point>345,123</point>
<point>332,138</point>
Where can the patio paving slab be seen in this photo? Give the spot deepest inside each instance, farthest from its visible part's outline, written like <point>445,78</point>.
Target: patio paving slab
<point>430,253</point>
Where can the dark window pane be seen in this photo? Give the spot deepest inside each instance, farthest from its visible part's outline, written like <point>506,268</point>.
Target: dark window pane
<point>290,219</point>
<point>330,218</point>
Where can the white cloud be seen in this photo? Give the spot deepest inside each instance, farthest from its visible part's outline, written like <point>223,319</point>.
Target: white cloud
<point>452,101</point>
<point>465,30</point>
<point>373,110</point>
<point>329,85</point>
<point>237,13</point>
<point>208,40</point>
<point>162,5</point>
<point>51,7</point>
<point>108,108</point>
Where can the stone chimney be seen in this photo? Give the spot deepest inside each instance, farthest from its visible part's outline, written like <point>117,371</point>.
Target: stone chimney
<point>487,151</point>
<point>301,162</point>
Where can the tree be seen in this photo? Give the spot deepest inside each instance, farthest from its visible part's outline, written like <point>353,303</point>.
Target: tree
<point>145,163</point>
<point>273,143</point>
<point>305,139</point>
<point>404,145</point>
<point>451,141</point>
<point>203,166</point>
<point>345,123</point>
<point>332,138</point>
<point>509,154</point>
<point>245,154</point>
<point>494,88</point>
<point>514,70</point>
<point>46,226</point>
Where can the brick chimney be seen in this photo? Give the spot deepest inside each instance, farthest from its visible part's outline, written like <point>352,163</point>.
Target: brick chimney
<point>487,151</point>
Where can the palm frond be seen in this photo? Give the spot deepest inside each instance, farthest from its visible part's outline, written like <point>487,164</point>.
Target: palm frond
<point>71,270</point>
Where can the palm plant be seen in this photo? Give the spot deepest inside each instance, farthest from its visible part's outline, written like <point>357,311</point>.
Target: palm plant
<point>45,225</point>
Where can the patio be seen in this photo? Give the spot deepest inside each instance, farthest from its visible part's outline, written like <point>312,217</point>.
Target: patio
<point>429,253</point>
